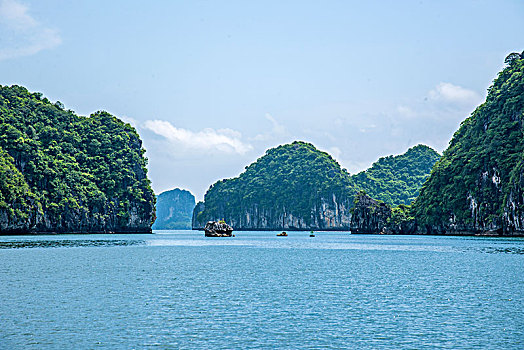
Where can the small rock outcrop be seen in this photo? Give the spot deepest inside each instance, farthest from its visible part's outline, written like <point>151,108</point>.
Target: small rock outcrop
<point>218,229</point>
<point>369,215</point>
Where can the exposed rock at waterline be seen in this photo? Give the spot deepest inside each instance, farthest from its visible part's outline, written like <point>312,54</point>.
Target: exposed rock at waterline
<point>369,215</point>
<point>218,229</point>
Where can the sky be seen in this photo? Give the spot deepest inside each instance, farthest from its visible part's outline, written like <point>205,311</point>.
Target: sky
<point>211,85</point>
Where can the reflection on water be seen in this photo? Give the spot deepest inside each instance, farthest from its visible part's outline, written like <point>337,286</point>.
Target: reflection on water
<point>69,243</point>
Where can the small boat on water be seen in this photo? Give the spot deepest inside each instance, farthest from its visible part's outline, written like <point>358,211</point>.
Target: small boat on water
<point>311,234</point>
<point>283,234</point>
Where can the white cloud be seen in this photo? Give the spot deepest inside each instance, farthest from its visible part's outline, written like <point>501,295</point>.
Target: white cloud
<point>367,128</point>
<point>355,167</point>
<point>277,127</point>
<point>405,111</point>
<point>448,92</point>
<point>22,35</point>
<point>260,137</point>
<point>132,121</point>
<point>335,152</point>
<point>276,130</point>
<point>221,140</point>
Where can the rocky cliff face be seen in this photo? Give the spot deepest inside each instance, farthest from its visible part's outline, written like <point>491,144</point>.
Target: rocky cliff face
<point>39,220</point>
<point>513,215</point>
<point>197,220</point>
<point>369,215</point>
<point>372,216</point>
<point>329,214</point>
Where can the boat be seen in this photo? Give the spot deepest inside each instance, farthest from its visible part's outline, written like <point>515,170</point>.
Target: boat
<point>283,234</point>
<point>311,234</point>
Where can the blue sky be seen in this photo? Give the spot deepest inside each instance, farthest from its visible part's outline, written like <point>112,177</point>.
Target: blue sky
<point>210,85</point>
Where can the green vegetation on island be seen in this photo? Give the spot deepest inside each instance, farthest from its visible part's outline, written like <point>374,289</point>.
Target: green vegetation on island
<point>60,172</point>
<point>397,180</point>
<point>17,202</point>
<point>296,186</point>
<point>291,186</point>
<point>478,183</point>
<point>174,210</point>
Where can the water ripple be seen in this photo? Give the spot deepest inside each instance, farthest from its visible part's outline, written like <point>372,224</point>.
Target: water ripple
<point>69,243</point>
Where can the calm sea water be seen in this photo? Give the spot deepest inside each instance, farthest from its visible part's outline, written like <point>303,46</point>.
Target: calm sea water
<point>177,289</point>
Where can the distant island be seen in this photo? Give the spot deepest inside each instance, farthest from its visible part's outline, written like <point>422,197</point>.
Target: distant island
<point>298,187</point>
<point>174,210</point>
<point>293,186</point>
<point>64,173</point>
<point>476,187</point>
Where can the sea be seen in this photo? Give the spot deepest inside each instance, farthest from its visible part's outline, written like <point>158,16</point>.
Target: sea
<point>181,290</point>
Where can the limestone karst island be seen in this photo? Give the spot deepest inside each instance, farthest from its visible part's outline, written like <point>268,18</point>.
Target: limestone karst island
<point>64,173</point>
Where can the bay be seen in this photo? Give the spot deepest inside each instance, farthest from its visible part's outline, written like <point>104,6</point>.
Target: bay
<point>178,289</point>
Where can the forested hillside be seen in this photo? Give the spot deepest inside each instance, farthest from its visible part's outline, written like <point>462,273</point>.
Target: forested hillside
<point>397,180</point>
<point>478,184</point>
<point>61,172</point>
<point>293,186</point>
<point>296,186</point>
